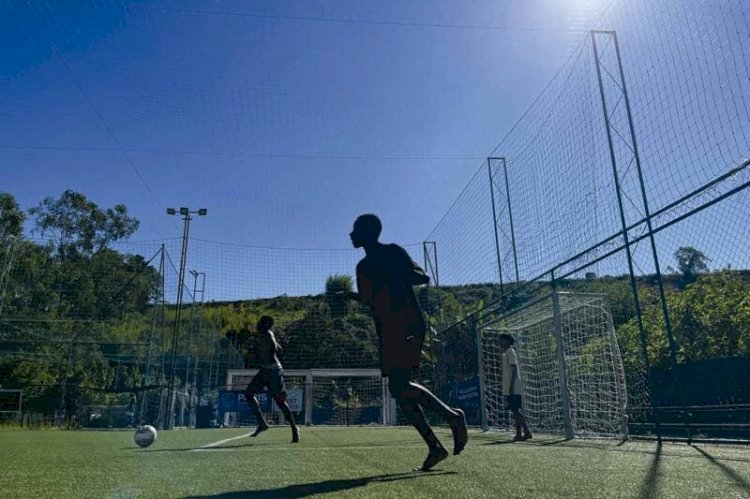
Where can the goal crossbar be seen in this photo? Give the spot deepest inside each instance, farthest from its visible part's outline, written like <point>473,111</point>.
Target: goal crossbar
<point>311,382</point>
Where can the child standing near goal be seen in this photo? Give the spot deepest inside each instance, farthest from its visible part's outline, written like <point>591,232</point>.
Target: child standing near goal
<point>385,277</point>
<point>513,387</point>
<point>264,357</point>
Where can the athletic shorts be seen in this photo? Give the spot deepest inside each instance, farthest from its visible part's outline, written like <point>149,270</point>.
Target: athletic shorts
<point>267,377</point>
<point>401,337</point>
<point>514,402</point>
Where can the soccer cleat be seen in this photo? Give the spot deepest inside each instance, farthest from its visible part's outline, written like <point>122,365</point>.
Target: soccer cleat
<point>526,437</point>
<point>260,429</point>
<point>460,432</point>
<point>295,434</point>
<point>435,456</point>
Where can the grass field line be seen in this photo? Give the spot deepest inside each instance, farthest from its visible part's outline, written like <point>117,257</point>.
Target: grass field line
<point>220,442</point>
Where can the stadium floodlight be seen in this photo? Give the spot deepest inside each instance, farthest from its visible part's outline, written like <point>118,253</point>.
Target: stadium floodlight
<point>180,288</point>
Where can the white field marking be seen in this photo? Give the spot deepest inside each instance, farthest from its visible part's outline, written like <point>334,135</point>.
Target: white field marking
<point>286,448</point>
<point>216,444</point>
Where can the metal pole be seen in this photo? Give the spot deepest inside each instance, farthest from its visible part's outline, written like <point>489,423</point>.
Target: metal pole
<point>660,282</point>
<point>510,216</point>
<point>633,282</point>
<point>430,340</point>
<point>147,378</point>
<point>494,225</point>
<point>200,328</point>
<point>437,273</point>
<point>7,266</point>
<point>178,313</point>
<point>191,341</point>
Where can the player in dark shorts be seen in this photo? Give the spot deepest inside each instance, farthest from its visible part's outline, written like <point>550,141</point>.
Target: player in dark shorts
<point>513,387</point>
<point>385,277</point>
<point>263,355</point>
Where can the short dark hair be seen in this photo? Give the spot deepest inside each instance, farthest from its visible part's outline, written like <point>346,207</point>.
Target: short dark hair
<point>508,337</point>
<point>266,321</point>
<point>370,223</point>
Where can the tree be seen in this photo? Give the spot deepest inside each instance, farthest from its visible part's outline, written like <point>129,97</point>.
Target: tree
<point>710,320</point>
<point>11,216</point>
<point>690,263</point>
<point>79,227</point>
<point>337,288</point>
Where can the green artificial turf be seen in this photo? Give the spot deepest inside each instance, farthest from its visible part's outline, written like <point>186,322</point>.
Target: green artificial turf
<point>358,462</point>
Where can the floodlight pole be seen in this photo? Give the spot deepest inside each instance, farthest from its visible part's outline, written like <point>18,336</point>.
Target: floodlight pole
<point>185,212</point>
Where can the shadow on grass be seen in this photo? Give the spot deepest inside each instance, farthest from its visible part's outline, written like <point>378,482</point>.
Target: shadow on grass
<point>742,482</point>
<point>650,485</point>
<point>556,442</point>
<point>610,447</point>
<point>533,442</point>
<point>326,486</point>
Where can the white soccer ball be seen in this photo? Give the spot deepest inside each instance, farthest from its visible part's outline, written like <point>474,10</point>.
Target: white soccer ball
<point>145,435</point>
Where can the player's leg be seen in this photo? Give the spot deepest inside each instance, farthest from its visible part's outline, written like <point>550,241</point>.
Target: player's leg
<point>428,400</point>
<point>522,429</point>
<point>253,389</point>
<point>456,418</point>
<point>398,383</point>
<point>277,390</point>
<point>523,424</point>
<point>280,400</point>
<point>517,425</point>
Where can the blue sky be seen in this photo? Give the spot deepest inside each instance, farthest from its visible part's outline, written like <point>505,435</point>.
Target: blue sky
<point>286,120</point>
<point>285,129</point>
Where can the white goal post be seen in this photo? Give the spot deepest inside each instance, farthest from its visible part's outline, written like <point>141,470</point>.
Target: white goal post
<point>325,396</point>
<point>570,363</point>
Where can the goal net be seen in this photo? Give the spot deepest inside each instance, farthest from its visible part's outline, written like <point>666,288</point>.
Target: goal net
<point>570,363</point>
<point>315,396</point>
<point>11,406</point>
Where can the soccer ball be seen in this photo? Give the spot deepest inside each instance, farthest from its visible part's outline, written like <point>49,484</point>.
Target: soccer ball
<point>145,435</point>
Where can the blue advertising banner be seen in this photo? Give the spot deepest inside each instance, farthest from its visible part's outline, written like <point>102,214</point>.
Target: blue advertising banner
<point>465,394</point>
<point>230,401</point>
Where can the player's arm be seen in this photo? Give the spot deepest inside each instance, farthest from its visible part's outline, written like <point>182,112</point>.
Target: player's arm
<point>274,344</point>
<point>364,287</point>
<point>410,272</point>
<point>513,375</point>
<point>513,368</point>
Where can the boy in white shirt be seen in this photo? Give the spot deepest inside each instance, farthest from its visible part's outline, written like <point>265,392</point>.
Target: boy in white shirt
<point>513,387</point>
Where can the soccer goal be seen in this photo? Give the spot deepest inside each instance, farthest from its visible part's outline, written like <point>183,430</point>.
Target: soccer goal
<point>316,397</point>
<point>11,406</point>
<point>570,362</point>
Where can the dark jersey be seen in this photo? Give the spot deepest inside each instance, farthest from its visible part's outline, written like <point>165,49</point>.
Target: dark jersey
<point>258,350</point>
<point>384,280</point>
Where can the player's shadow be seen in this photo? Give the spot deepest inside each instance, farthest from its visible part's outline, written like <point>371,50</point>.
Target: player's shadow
<point>742,482</point>
<point>527,442</point>
<point>649,487</point>
<point>326,486</point>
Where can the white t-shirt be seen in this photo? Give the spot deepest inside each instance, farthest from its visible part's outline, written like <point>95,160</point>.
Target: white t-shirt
<point>510,358</point>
